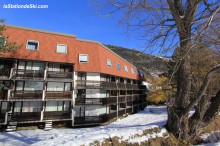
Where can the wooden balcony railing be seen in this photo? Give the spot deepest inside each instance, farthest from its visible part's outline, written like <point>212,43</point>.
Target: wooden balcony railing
<point>129,110</point>
<point>58,95</point>
<point>110,100</point>
<point>5,72</point>
<point>135,87</point>
<point>59,75</point>
<point>121,112</point>
<point>25,116</point>
<point>37,94</point>
<point>121,86</point>
<point>87,120</point>
<point>135,97</point>
<point>89,101</point>
<point>3,95</point>
<point>128,98</point>
<point>129,86</point>
<point>28,74</point>
<point>122,105</point>
<point>95,84</point>
<point>109,85</point>
<point>56,115</point>
<point>130,104</point>
<point>121,99</point>
<point>2,117</point>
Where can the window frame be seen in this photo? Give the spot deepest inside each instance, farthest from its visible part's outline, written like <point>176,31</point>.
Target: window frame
<point>33,41</point>
<point>118,66</point>
<point>110,63</point>
<point>126,68</point>
<point>58,44</point>
<point>84,55</point>
<point>132,70</point>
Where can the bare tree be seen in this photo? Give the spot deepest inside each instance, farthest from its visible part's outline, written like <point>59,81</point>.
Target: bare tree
<point>167,25</point>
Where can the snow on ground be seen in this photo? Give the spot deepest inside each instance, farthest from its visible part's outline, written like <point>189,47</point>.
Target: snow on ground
<point>126,128</point>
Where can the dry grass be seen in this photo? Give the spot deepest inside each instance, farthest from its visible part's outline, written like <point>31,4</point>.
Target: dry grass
<point>213,126</point>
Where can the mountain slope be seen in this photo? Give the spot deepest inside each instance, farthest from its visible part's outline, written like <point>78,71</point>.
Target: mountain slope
<point>143,61</point>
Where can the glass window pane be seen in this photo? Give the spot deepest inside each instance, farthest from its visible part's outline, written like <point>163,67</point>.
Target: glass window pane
<point>29,66</point>
<point>21,65</point>
<point>4,106</point>
<point>60,106</point>
<point>54,86</point>
<point>83,58</point>
<point>66,106</point>
<point>61,48</point>
<point>109,63</point>
<point>17,107</point>
<point>37,66</point>
<point>67,86</point>
<point>51,106</point>
<point>31,45</point>
<point>19,85</point>
<point>32,86</point>
<point>118,66</point>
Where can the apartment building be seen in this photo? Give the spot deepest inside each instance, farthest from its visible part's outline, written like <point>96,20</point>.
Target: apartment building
<point>60,78</point>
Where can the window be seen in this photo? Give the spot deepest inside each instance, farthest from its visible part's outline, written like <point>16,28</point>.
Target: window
<point>83,58</point>
<point>61,48</point>
<point>137,72</point>
<point>132,71</point>
<point>118,66</point>
<point>57,106</point>
<point>109,63</point>
<point>126,68</point>
<point>32,45</point>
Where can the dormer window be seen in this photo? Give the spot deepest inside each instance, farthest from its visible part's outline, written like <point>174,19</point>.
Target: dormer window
<point>118,66</point>
<point>109,63</point>
<point>83,58</point>
<point>61,48</point>
<point>32,45</point>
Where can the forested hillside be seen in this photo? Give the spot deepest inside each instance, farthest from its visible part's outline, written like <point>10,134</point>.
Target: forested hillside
<point>146,62</point>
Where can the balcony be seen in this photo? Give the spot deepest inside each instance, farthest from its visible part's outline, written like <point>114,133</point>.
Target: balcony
<point>5,73</point>
<point>58,95</point>
<point>110,100</point>
<point>121,112</point>
<point>128,98</point>
<point>59,75</point>
<point>129,110</point>
<point>135,97</point>
<point>121,86</point>
<point>129,86</point>
<point>122,99</point>
<point>3,95</point>
<point>25,116</point>
<point>2,117</point>
<point>87,120</point>
<point>28,74</point>
<point>89,101</point>
<point>37,94</point>
<point>122,105</point>
<point>57,115</point>
<point>88,84</point>
<point>135,87</point>
<point>109,85</point>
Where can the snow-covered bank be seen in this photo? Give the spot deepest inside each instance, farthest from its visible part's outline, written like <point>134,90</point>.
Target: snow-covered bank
<point>125,128</point>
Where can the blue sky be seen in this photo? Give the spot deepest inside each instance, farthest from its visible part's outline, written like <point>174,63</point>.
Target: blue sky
<point>77,17</point>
